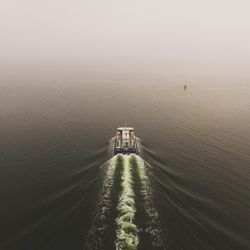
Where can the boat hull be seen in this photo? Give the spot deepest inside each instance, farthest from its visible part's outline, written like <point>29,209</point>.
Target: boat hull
<point>126,151</point>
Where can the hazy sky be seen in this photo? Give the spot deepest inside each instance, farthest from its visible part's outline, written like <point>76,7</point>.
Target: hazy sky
<point>179,37</point>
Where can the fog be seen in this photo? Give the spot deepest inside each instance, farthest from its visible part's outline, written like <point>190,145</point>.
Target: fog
<point>139,39</point>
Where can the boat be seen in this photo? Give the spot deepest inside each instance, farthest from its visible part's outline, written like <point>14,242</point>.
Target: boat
<point>125,141</point>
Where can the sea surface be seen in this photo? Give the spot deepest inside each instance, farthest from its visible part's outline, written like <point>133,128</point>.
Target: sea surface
<point>56,151</point>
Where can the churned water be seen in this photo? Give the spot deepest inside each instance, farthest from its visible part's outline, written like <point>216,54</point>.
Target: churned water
<point>61,188</point>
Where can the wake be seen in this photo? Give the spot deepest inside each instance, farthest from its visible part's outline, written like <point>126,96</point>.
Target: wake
<point>125,218</point>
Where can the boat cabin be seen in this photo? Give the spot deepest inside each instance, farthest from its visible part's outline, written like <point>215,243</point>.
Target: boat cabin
<point>125,141</point>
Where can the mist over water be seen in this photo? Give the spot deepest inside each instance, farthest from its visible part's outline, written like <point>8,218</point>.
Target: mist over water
<point>55,151</point>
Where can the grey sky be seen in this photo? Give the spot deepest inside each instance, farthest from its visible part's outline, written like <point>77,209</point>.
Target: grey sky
<point>185,37</point>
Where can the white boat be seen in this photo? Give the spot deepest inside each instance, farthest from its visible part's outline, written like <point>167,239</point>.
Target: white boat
<point>125,141</point>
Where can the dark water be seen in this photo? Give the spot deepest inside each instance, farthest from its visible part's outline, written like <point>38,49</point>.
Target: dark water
<point>55,140</point>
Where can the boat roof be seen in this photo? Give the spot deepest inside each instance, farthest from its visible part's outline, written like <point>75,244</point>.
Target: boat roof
<point>125,128</point>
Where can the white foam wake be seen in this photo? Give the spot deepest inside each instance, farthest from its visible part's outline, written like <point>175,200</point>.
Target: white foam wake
<point>104,205</point>
<point>153,227</point>
<point>127,233</point>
